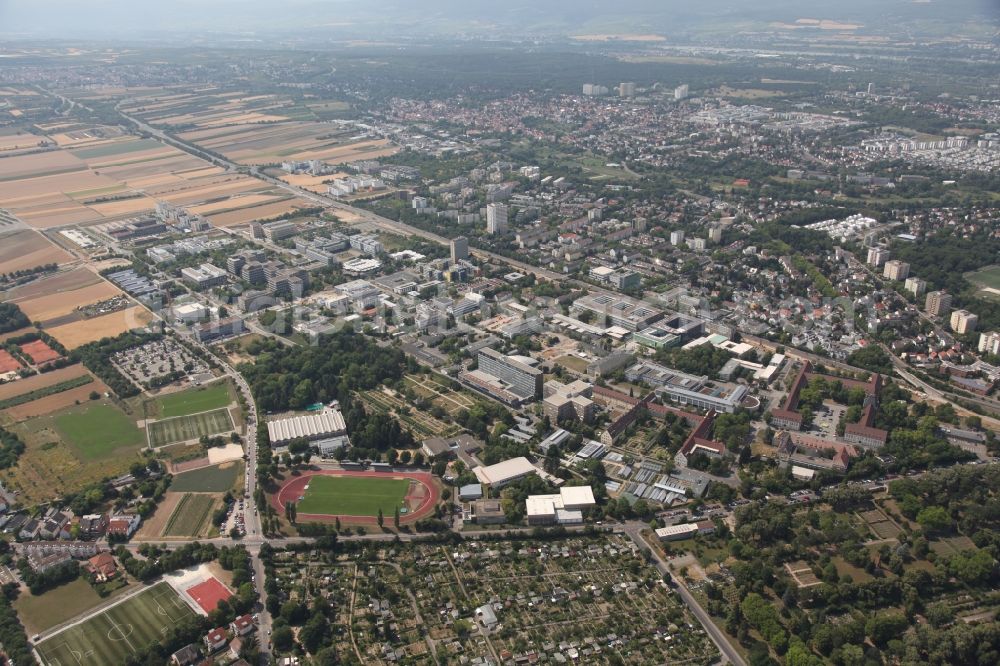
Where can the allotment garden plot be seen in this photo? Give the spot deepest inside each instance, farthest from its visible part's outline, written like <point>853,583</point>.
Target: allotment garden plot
<point>588,599</point>
<point>111,636</point>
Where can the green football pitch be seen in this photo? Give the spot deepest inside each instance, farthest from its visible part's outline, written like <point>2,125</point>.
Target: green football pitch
<point>193,401</point>
<point>109,637</point>
<point>353,496</point>
<point>97,430</point>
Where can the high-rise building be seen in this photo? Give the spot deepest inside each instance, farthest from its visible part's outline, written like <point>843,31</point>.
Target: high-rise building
<point>938,303</point>
<point>626,89</point>
<point>715,234</point>
<point>963,321</point>
<point>989,343</point>
<point>877,256</point>
<point>594,89</point>
<point>459,249</point>
<point>496,219</point>
<point>676,237</point>
<point>896,270</point>
<point>915,286</point>
<point>681,92</point>
<point>522,378</point>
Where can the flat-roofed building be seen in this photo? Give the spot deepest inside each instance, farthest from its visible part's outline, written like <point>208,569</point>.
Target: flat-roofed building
<point>280,230</point>
<point>487,512</point>
<point>687,389</point>
<point>564,508</point>
<point>915,286</point>
<point>963,321</point>
<point>518,372</point>
<point>656,337</point>
<point>611,310</point>
<point>938,303</point>
<point>322,425</point>
<point>568,401</point>
<point>205,276</point>
<point>896,270</point>
<point>223,328</point>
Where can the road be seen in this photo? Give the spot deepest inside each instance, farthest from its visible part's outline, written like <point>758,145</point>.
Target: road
<point>254,535</point>
<point>634,532</point>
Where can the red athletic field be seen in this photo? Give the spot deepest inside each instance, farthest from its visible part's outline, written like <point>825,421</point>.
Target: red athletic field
<point>39,352</point>
<point>425,496</point>
<point>8,363</point>
<point>209,594</point>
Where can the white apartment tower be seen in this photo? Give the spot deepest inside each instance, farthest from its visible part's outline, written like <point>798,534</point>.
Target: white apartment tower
<point>496,219</point>
<point>989,343</point>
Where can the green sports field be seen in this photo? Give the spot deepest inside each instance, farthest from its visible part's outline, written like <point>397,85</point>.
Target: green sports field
<point>353,496</point>
<point>195,400</point>
<point>97,430</point>
<point>184,428</point>
<point>109,637</point>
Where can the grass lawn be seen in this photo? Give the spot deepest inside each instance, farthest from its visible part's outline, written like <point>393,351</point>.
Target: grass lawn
<point>65,602</point>
<point>353,496</point>
<point>986,277</point>
<point>97,430</point>
<point>184,428</point>
<point>190,514</point>
<point>215,479</point>
<point>109,637</point>
<point>196,400</point>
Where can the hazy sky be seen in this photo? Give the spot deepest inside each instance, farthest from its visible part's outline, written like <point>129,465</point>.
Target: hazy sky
<point>99,18</point>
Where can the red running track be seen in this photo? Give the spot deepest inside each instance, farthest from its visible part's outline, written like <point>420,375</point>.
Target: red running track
<point>293,489</point>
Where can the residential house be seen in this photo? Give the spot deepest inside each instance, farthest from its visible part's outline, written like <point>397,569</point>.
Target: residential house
<point>216,639</point>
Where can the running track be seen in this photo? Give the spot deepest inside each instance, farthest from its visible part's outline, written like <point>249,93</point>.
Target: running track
<point>291,490</point>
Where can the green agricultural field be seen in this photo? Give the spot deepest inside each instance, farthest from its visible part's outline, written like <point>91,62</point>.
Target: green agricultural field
<point>215,479</point>
<point>353,496</point>
<point>111,636</point>
<point>117,148</point>
<point>184,428</point>
<point>196,400</point>
<point>189,516</point>
<point>97,430</point>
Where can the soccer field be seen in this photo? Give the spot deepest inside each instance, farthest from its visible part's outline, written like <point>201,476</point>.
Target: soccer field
<point>97,430</point>
<point>353,496</point>
<point>109,637</point>
<point>184,428</point>
<point>195,400</point>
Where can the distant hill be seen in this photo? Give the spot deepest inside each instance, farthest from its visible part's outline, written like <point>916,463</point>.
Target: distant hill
<point>501,18</point>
